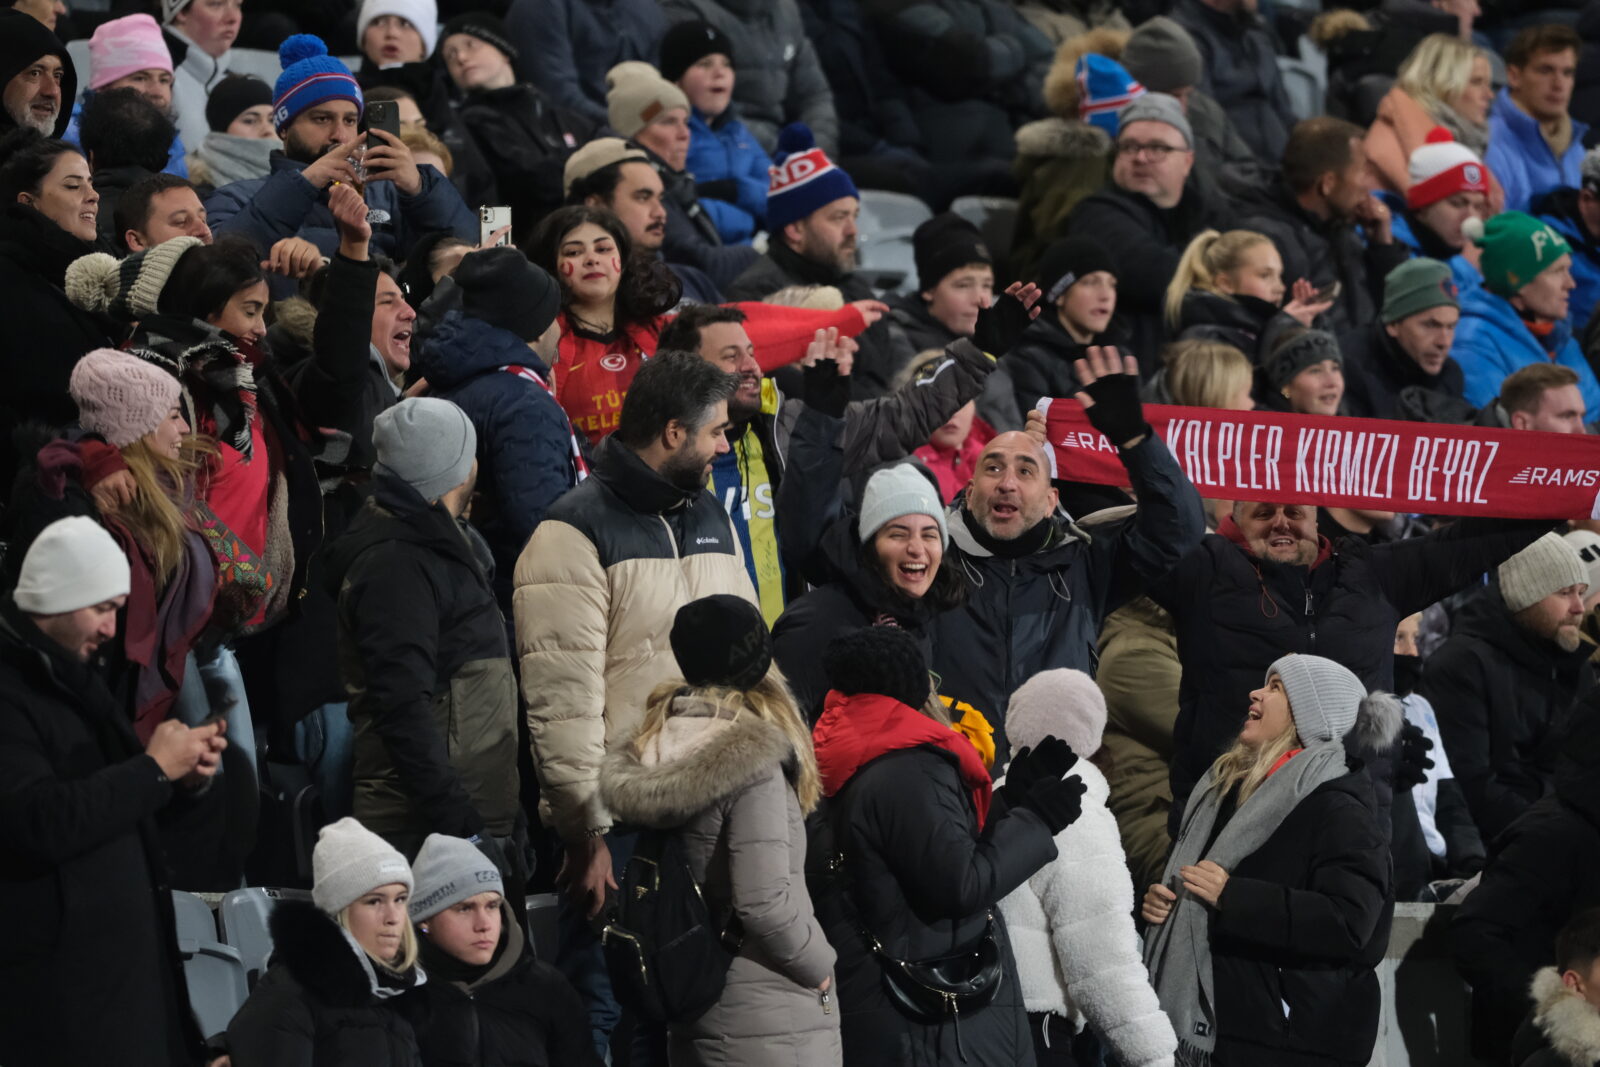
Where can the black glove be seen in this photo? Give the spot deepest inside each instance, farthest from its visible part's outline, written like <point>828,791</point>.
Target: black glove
<point>1117,412</point>
<point>1411,763</point>
<point>1049,762</point>
<point>1058,803</point>
<point>496,855</point>
<point>1000,325</point>
<point>718,189</point>
<point>824,388</point>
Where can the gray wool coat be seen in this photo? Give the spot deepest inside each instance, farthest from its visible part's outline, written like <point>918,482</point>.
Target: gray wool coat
<point>725,783</point>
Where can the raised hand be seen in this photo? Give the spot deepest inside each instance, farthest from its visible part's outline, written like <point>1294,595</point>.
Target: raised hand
<point>392,162</point>
<point>1303,305</point>
<point>333,166</point>
<point>1110,395</point>
<point>295,257</point>
<point>349,212</point>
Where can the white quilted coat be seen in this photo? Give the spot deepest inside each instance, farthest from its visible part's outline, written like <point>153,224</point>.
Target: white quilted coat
<point>1078,954</point>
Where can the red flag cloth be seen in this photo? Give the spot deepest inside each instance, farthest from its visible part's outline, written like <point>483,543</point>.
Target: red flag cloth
<point>1375,464</point>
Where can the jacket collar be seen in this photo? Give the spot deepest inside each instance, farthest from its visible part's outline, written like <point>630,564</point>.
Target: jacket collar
<point>1568,1022</point>
<point>1525,128</point>
<point>701,754</point>
<point>1230,530</point>
<point>325,961</point>
<point>47,249</point>
<point>641,488</point>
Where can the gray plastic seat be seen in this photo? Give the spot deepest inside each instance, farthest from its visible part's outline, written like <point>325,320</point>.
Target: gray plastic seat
<point>885,228</point>
<point>214,972</point>
<point>244,915</point>
<point>543,923</point>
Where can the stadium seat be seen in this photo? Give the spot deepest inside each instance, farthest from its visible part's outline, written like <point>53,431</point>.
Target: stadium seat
<point>214,972</point>
<point>1306,92</point>
<point>244,915</point>
<point>994,216</point>
<point>887,222</point>
<point>543,909</point>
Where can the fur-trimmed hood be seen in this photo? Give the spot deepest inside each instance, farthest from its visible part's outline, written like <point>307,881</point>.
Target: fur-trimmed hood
<point>1061,83</point>
<point>1063,138</point>
<point>322,959</point>
<point>1570,1023</point>
<point>699,757</point>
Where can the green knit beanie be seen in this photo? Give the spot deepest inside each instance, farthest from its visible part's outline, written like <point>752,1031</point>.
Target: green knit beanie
<point>1416,286</point>
<point>1516,249</point>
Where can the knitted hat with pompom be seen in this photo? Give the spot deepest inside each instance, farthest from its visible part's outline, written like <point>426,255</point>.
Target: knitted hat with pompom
<point>310,77</point>
<point>803,178</point>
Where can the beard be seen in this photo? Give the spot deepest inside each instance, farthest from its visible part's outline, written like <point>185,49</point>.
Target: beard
<point>299,151</point>
<point>686,471</point>
<point>44,125</point>
<point>1567,637</point>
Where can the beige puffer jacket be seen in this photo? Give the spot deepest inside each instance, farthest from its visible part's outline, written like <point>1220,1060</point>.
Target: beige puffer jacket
<point>596,590</point>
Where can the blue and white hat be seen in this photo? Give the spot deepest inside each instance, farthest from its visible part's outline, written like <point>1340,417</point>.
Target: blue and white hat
<point>803,178</point>
<point>310,76</point>
<point>1104,88</point>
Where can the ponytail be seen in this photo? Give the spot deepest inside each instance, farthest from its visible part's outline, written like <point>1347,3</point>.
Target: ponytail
<point>1210,254</point>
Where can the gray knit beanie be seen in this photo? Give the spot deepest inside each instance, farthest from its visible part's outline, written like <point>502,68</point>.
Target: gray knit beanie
<point>1295,355</point>
<point>1158,107</point>
<point>127,289</point>
<point>896,491</point>
<point>427,443</point>
<point>1324,697</point>
<point>1547,565</point>
<point>448,871</point>
<point>350,861</point>
<point>1057,703</point>
<point>1162,55</point>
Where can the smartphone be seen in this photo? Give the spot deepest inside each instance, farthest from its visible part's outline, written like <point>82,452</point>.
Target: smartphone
<point>382,115</point>
<point>491,219</point>
<point>1326,293</point>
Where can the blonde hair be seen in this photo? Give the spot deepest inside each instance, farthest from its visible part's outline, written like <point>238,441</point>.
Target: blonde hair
<point>1438,70</point>
<point>1247,767</point>
<point>768,700</point>
<point>1206,374</point>
<point>158,515</point>
<point>404,960</point>
<point>1211,253</point>
<point>420,139</point>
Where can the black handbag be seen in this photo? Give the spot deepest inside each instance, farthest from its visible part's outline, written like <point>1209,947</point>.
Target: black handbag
<point>944,987</point>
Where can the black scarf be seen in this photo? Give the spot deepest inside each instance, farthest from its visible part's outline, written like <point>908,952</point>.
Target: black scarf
<point>806,271</point>
<point>1035,538</point>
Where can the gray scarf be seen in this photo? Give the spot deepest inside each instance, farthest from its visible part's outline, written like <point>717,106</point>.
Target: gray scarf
<point>1178,952</point>
<point>1475,135</point>
<point>235,159</point>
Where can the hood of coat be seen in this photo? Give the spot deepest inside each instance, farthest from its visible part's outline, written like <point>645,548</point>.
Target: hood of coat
<point>323,960</point>
<point>1058,138</point>
<point>459,348</point>
<point>35,242</point>
<point>1062,94</point>
<point>700,756</point>
<point>1570,1023</point>
<point>1486,618</point>
<point>442,967</point>
<point>1480,303</point>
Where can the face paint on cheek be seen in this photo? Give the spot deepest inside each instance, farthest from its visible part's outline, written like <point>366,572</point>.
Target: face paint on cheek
<point>616,265</point>
<point>568,268</point>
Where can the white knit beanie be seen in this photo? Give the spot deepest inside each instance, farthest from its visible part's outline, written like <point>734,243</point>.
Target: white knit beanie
<point>1587,542</point>
<point>72,564</point>
<point>1057,703</point>
<point>351,860</point>
<point>1324,697</point>
<point>896,491</point>
<point>1547,565</point>
<point>449,870</point>
<point>423,14</point>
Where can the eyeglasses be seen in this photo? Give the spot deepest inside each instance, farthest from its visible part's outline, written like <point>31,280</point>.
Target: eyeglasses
<point>1155,150</point>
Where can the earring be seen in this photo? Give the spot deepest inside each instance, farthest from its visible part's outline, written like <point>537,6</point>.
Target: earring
<point>423,927</point>
<point>1286,392</point>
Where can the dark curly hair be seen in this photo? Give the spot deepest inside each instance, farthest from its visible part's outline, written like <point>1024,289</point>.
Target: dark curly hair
<point>647,289</point>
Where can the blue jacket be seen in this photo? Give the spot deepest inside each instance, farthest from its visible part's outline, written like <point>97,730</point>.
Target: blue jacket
<point>566,46</point>
<point>1560,210</point>
<point>284,204</point>
<point>177,155</point>
<point>1492,342</point>
<point>725,150</point>
<point>525,443</point>
<point>1519,156</point>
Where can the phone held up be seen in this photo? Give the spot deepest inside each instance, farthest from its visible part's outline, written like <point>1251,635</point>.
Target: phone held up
<point>382,115</point>
<point>491,220</point>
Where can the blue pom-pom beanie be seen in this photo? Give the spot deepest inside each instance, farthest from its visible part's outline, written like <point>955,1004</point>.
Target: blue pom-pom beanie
<point>803,178</point>
<point>1104,89</point>
<point>310,76</point>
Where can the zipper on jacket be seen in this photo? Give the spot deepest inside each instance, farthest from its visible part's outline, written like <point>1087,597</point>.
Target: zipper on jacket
<point>1311,609</point>
<point>827,1002</point>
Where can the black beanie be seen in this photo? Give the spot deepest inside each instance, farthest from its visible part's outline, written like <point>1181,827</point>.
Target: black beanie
<point>1066,262</point>
<point>721,640</point>
<point>1299,352</point>
<point>485,27</point>
<point>945,243</point>
<point>687,43</point>
<point>500,286</point>
<point>232,97</point>
<point>878,659</point>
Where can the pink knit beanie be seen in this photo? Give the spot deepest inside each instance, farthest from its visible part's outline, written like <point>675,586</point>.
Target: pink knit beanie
<point>126,46</point>
<point>121,397</point>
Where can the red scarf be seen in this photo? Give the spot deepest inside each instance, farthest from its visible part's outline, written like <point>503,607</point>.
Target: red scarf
<point>1285,758</point>
<point>854,730</point>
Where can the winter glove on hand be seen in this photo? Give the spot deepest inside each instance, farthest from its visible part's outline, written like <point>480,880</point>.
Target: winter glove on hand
<point>1058,803</point>
<point>1000,325</point>
<point>1117,411</point>
<point>825,389</point>
<point>1411,763</point>
<point>1049,762</point>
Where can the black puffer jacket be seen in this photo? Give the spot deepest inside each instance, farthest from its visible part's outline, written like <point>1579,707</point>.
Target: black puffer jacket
<point>1044,610</point>
<point>1505,690</point>
<point>1301,928</point>
<point>316,1005</point>
<point>1251,325</point>
<point>1235,614</point>
<point>1382,382</point>
<point>526,141</point>
<point>519,1012</point>
<point>1543,870</point>
<point>83,871</point>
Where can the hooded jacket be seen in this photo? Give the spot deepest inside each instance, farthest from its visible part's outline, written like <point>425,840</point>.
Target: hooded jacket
<point>422,649</point>
<point>318,1004</point>
<point>725,786</point>
<point>1492,341</point>
<point>1039,365</point>
<point>1382,382</point>
<point>923,879</point>
<point>78,802</point>
<point>691,236</point>
<point>1240,71</point>
<point>525,441</point>
<point>724,152</point>
<point>1505,691</point>
<point>1559,208</point>
<point>525,140</point>
<point>1071,927</point>
<point>21,45</point>
<point>1543,870</point>
<point>1562,1028</point>
<point>1234,612</point>
<point>284,204</point>
<point>1059,163</point>
<point>518,1012</point>
<point>1044,610</point>
<point>596,592</point>
<point>1522,159</point>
